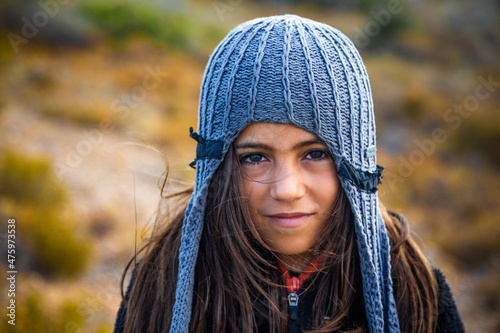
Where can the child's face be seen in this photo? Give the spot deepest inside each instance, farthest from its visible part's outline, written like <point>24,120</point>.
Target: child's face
<point>290,182</point>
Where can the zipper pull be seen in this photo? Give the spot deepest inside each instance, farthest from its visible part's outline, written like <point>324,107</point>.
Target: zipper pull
<point>293,304</point>
<point>293,298</point>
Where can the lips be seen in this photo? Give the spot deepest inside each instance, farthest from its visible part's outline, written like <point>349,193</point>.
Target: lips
<point>290,220</point>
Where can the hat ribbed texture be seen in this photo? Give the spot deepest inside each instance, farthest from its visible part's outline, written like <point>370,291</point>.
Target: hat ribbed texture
<point>287,69</point>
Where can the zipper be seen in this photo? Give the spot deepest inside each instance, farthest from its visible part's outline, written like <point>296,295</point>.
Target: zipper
<point>293,298</point>
<point>293,284</point>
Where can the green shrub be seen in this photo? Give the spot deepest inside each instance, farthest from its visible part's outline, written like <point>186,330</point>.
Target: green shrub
<point>48,229</point>
<point>29,181</point>
<point>122,20</point>
<point>82,116</point>
<point>54,243</point>
<point>35,315</point>
<point>474,244</point>
<point>177,31</point>
<point>478,136</point>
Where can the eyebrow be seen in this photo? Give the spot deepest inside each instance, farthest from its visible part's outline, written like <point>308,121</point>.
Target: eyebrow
<point>245,145</point>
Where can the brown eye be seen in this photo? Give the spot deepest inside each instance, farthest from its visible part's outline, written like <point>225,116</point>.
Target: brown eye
<point>317,155</point>
<point>252,158</point>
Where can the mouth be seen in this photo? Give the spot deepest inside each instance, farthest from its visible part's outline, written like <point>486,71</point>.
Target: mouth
<point>290,220</point>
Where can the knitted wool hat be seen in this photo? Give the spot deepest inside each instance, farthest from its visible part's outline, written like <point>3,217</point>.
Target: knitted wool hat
<point>287,69</point>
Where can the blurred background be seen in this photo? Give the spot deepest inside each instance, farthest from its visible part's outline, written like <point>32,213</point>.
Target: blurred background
<point>97,97</point>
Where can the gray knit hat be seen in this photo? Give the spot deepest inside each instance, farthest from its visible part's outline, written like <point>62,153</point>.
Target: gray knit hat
<point>287,69</point>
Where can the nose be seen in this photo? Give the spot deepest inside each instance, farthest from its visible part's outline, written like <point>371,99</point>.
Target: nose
<point>288,183</point>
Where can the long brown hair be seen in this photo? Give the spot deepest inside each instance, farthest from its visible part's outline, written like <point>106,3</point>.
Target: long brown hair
<point>238,284</point>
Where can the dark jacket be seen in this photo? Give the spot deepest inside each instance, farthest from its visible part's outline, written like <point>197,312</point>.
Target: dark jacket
<point>449,320</point>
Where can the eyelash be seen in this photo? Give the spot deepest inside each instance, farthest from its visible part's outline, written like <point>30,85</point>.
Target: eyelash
<point>325,155</point>
<point>244,158</point>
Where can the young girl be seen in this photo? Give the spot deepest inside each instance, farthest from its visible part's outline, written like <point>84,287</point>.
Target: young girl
<point>284,231</point>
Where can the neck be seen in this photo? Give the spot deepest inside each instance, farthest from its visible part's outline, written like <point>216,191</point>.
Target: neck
<point>295,262</point>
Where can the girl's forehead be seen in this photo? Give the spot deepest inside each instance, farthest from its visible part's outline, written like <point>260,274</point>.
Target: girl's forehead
<point>274,134</point>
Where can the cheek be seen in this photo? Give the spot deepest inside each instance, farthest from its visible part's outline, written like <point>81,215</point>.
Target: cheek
<point>328,191</point>
<point>250,190</point>
<point>246,188</point>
